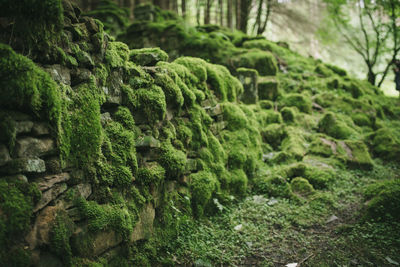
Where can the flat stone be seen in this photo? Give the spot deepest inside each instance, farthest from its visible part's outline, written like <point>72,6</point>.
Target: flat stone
<point>33,147</point>
<point>49,181</point>
<point>144,227</point>
<point>40,128</point>
<point>249,80</point>
<point>77,191</point>
<point>4,155</point>
<point>215,111</point>
<point>145,142</point>
<point>50,195</point>
<point>24,165</point>
<point>59,73</point>
<point>40,233</point>
<point>23,126</point>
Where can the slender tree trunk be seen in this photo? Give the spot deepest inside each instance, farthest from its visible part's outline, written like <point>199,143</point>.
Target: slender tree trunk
<point>221,12</point>
<point>229,14</point>
<point>207,12</point>
<point>257,24</point>
<point>183,7</point>
<point>245,6</point>
<point>238,14</point>
<point>263,27</point>
<point>198,10</point>
<point>175,6</point>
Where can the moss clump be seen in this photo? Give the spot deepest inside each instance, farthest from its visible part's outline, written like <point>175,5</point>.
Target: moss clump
<point>151,174</point>
<point>60,234</point>
<point>268,88</point>
<point>319,178</point>
<point>197,66</point>
<point>238,182</point>
<point>225,86</point>
<point>294,144</point>
<point>117,54</point>
<point>266,104</point>
<point>302,102</point>
<point>274,135</point>
<point>122,177</point>
<point>335,127</point>
<point>148,56</point>
<point>275,186</point>
<point>263,62</point>
<point>151,103</point>
<point>26,87</point>
<point>384,199</point>
<point>235,116</point>
<point>362,119</point>
<point>202,186</point>
<point>172,160</point>
<point>359,157</point>
<point>270,116</point>
<point>301,186</point>
<point>385,144</point>
<point>124,116</point>
<point>8,130</point>
<point>173,94</point>
<point>289,114</point>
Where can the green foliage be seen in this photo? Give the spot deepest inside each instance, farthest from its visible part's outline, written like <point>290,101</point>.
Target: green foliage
<point>172,160</point>
<point>274,186</point>
<point>151,102</point>
<point>151,174</point>
<point>202,186</point>
<point>264,62</point>
<point>117,54</point>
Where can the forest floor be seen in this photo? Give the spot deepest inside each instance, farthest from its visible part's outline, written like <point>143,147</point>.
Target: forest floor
<point>325,230</point>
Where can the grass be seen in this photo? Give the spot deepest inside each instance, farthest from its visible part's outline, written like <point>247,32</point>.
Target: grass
<point>262,231</point>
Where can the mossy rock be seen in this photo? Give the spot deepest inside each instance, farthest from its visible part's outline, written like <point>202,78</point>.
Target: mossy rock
<point>268,88</point>
<point>147,56</point>
<point>289,114</point>
<point>274,134</point>
<point>202,186</point>
<point>359,156</point>
<point>275,186</point>
<point>385,144</point>
<point>264,62</point>
<point>335,127</point>
<point>301,186</point>
<point>173,161</point>
<point>302,102</point>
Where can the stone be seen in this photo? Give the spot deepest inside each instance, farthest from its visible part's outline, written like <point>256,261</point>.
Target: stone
<point>99,241</point>
<point>49,181</point>
<point>40,128</point>
<point>59,73</point>
<point>105,118</point>
<point>113,88</point>
<point>214,111</point>
<point>50,195</point>
<point>23,126</point>
<point>147,142</point>
<point>268,88</point>
<point>53,165</point>
<point>77,191</point>
<point>218,127</point>
<point>84,59</point>
<point>144,227</point>
<point>191,165</point>
<point>33,147</point>
<point>148,56</point>
<point>80,75</point>
<point>40,233</point>
<point>24,165</point>
<point>4,155</point>
<point>249,80</point>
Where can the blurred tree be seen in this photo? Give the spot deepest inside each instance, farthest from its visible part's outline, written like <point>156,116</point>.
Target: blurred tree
<point>371,28</point>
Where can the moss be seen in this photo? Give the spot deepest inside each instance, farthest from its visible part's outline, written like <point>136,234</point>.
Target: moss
<point>234,116</point>
<point>122,177</point>
<point>337,70</point>
<point>8,130</point>
<point>225,86</point>
<point>322,146</point>
<point>202,186</point>
<point>302,102</point>
<point>383,201</point>
<point>152,174</point>
<point>275,186</point>
<point>264,62</point>
<point>148,56</point>
<point>172,160</point>
<point>266,104</point>
<point>238,182</point>
<point>173,94</point>
<point>60,233</point>
<point>319,178</point>
<point>274,134</point>
<point>268,88</point>
<point>184,134</point>
<point>335,127</point>
<point>385,144</point>
<point>151,102</point>
<point>294,144</point>
<point>117,54</point>
<point>360,157</point>
<point>124,116</point>
<point>362,119</point>
<point>323,70</point>
<point>197,66</point>
<point>301,186</point>
<point>270,117</point>
<point>289,114</point>
<point>26,87</point>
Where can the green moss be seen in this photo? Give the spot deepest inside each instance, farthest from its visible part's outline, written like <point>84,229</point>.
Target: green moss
<point>225,86</point>
<point>264,62</point>
<point>60,233</point>
<point>202,186</point>
<point>383,201</point>
<point>8,130</point>
<point>360,157</point>
<point>275,186</point>
<point>289,114</point>
<point>234,116</point>
<point>124,116</point>
<point>337,70</point>
<point>266,104</point>
<point>385,144</point>
<point>152,174</point>
<point>323,70</point>
<point>362,119</point>
<point>148,56</point>
<point>117,54</point>
<point>26,87</point>
<point>322,146</point>
<point>302,102</point>
<point>172,160</point>
<point>270,117</point>
<point>268,88</point>
<point>318,177</point>
<point>197,66</point>
<point>238,182</point>
<point>151,103</point>
<point>122,177</point>
<point>184,134</point>
<point>274,134</point>
<point>173,94</point>
<point>301,186</point>
<point>334,126</point>
<point>294,144</point>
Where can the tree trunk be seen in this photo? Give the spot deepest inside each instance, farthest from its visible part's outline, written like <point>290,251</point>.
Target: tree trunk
<point>257,24</point>
<point>263,27</point>
<point>229,14</point>
<point>245,6</point>
<point>221,12</point>
<point>238,13</point>
<point>183,7</point>
<point>198,10</point>
<point>175,6</point>
<point>207,12</point>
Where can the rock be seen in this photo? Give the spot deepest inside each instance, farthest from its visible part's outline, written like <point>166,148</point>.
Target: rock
<point>78,191</point>
<point>105,118</point>
<point>332,219</point>
<point>218,127</point>
<point>53,165</point>
<point>248,77</point>
<point>144,227</point>
<point>80,75</point>
<point>59,73</point>
<point>40,128</point>
<point>23,126</point>
<point>147,142</point>
<point>214,111</point>
<point>148,56</point>
<point>49,181</point>
<point>268,88</point>
<point>50,195</point>
<point>40,233</point>
<point>84,59</point>
<point>4,155</point>
<point>99,242</point>
<point>113,88</point>
<point>33,147</point>
<point>191,165</point>
<point>24,165</point>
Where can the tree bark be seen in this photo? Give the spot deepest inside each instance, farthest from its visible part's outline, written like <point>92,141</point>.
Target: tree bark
<point>257,24</point>
<point>198,10</point>
<point>207,12</point>
<point>238,14</point>
<point>175,6</point>
<point>245,6</point>
<point>229,14</point>
<point>263,27</point>
<point>221,12</point>
<point>183,7</point>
